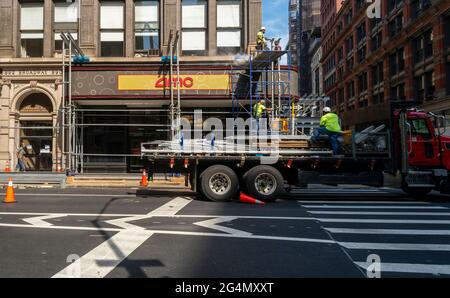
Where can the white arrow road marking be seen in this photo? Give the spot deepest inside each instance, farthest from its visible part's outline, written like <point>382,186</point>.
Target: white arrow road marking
<point>212,224</point>
<point>104,258</point>
<point>39,220</point>
<point>409,268</point>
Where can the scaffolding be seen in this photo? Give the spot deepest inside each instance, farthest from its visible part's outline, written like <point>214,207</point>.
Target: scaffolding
<point>263,78</point>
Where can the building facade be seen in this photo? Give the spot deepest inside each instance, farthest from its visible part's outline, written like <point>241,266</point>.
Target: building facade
<point>122,97</point>
<point>304,38</point>
<point>317,73</point>
<point>404,55</point>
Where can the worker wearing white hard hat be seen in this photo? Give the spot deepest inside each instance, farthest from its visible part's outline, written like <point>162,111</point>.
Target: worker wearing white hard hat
<point>261,43</point>
<point>329,125</point>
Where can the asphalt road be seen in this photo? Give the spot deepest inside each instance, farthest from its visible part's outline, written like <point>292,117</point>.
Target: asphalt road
<point>169,233</point>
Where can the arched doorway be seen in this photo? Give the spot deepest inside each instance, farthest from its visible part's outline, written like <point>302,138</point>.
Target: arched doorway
<point>36,131</point>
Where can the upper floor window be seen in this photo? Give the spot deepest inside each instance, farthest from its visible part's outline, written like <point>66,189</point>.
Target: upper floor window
<point>362,81</point>
<point>32,29</point>
<point>66,20</point>
<point>424,86</point>
<point>362,54</point>
<point>397,62</point>
<point>146,27</point>
<point>194,25</point>
<point>112,29</point>
<point>377,73</point>
<point>423,46</point>
<point>349,44</point>
<point>393,4</point>
<point>229,27</point>
<point>418,6</point>
<point>395,26</point>
<point>376,41</point>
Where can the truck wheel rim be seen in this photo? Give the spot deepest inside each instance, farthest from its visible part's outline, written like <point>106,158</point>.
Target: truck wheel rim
<point>220,183</point>
<point>265,184</point>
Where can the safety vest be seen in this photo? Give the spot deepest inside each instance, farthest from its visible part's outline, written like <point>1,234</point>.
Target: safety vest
<point>331,122</point>
<point>260,38</point>
<point>258,110</point>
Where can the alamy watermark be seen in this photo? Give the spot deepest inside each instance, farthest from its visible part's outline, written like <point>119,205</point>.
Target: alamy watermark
<point>373,266</point>
<point>374,10</point>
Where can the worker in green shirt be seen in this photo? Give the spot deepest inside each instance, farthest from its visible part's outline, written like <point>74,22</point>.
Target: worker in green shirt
<point>329,125</point>
<point>259,111</point>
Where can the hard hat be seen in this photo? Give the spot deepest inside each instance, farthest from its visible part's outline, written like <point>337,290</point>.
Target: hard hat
<point>326,109</point>
<point>263,28</point>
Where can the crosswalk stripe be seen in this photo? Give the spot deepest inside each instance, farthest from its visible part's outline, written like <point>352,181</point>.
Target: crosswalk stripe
<point>387,231</point>
<point>381,213</point>
<point>361,202</point>
<point>409,268</point>
<point>397,221</point>
<point>396,246</point>
<point>374,207</point>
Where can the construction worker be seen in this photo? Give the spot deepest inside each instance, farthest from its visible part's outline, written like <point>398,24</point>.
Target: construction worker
<point>261,43</point>
<point>277,46</point>
<point>329,125</point>
<point>259,111</point>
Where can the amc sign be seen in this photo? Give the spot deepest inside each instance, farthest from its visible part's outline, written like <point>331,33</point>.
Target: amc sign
<point>187,82</point>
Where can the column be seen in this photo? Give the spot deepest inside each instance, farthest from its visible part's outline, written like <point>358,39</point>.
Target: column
<point>171,21</point>
<point>129,28</point>
<point>212,27</point>
<point>254,21</point>
<point>8,23</point>
<point>48,28</point>
<point>89,27</point>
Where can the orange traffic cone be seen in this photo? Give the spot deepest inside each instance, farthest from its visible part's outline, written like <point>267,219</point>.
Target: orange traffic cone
<point>243,198</point>
<point>10,198</point>
<point>144,179</point>
<point>7,167</point>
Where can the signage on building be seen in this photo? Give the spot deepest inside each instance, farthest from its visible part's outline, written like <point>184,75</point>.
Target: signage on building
<point>31,72</point>
<point>187,82</point>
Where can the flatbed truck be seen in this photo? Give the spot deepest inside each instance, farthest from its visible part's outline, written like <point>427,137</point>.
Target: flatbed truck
<point>414,156</point>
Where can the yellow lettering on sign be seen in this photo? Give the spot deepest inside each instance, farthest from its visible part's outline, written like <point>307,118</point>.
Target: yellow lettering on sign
<point>187,82</point>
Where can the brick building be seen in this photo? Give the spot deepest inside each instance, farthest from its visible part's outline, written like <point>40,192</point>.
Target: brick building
<point>366,62</point>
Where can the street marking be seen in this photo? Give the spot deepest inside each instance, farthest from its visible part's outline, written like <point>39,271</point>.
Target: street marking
<point>362,202</point>
<point>387,231</point>
<point>396,246</point>
<point>39,220</point>
<point>104,258</point>
<point>397,221</point>
<point>373,207</point>
<point>213,224</point>
<point>183,233</point>
<point>409,268</point>
<point>381,213</point>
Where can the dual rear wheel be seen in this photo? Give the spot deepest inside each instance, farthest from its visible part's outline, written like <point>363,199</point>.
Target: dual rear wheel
<point>221,184</point>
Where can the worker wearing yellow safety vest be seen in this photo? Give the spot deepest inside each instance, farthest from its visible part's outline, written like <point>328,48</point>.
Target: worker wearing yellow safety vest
<point>329,125</point>
<point>261,43</point>
<point>259,111</point>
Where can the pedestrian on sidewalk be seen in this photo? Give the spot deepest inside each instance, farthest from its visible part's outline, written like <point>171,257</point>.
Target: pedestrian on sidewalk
<point>21,158</point>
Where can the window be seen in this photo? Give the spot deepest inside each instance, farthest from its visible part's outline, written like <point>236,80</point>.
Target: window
<point>194,24</point>
<point>111,29</point>
<point>395,26</point>
<point>348,17</point>
<point>350,63</point>
<point>396,62</point>
<point>377,73</point>
<point>374,23</point>
<point>419,6</point>
<point>424,86</point>
<point>351,89</point>
<point>66,20</point>
<point>229,27</point>
<point>423,46</point>
<point>419,127</point>
<point>378,98</point>
<point>340,54</point>
<point>362,81</point>
<point>146,27</point>
<point>398,91</point>
<point>32,29</point>
<point>362,54</point>
<point>376,41</point>
<point>349,44</point>
<point>392,4</point>
<point>361,32</point>
<point>360,4</point>
<point>447,31</point>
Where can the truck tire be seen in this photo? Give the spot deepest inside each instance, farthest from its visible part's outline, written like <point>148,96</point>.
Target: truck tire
<point>264,183</point>
<point>416,192</point>
<point>219,183</point>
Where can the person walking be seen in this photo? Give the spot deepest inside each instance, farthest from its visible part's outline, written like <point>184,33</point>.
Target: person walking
<point>21,158</point>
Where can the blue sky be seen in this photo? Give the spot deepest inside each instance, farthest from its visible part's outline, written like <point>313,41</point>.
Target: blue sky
<point>275,19</point>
